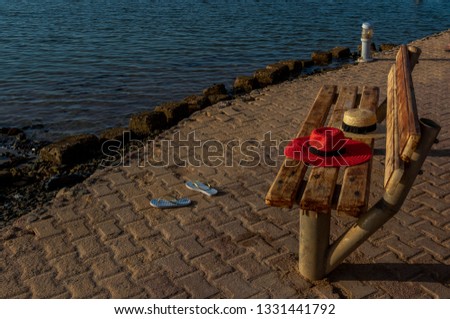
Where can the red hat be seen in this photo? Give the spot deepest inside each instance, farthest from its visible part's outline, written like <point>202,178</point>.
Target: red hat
<point>328,147</point>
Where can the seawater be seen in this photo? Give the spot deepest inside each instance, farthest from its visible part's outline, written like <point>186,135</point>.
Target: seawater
<point>74,66</point>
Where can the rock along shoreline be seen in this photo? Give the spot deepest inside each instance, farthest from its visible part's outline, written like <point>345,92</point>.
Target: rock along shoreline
<point>32,173</point>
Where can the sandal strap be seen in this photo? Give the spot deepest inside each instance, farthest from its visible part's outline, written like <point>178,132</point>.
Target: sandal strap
<point>196,183</point>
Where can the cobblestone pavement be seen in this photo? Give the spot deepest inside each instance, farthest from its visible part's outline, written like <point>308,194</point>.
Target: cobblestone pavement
<point>102,239</point>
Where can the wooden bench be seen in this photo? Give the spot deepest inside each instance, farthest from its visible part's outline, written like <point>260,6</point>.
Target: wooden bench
<point>324,190</point>
<point>321,192</point>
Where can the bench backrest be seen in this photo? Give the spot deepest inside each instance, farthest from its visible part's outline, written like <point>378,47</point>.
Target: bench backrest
<point>402,121</point>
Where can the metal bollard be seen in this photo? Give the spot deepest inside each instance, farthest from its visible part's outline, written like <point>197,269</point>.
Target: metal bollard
<point>366,41</point>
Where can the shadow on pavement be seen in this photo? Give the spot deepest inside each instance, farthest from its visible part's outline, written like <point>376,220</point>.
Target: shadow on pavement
<point>392,272</point>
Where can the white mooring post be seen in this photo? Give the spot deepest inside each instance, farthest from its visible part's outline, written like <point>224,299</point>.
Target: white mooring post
<point>366,41</point>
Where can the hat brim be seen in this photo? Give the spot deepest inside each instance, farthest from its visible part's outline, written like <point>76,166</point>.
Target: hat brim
<point>355,153</point>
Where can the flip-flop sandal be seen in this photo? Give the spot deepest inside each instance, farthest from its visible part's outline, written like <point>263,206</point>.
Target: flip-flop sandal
<point>201,187</point>
<point>170,203</point>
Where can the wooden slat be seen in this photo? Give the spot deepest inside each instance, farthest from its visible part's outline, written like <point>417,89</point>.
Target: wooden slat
<point>319,190</point>
<point>346,101</point>
<point>408,121</point>
<point>414,54</point>
<point>393,163</point>
<point>283,190</point>
<point>354,195</point>
<point>355,191</point>
<point>369,98</point>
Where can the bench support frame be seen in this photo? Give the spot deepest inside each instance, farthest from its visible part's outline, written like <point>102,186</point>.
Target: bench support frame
<point>317,258</point>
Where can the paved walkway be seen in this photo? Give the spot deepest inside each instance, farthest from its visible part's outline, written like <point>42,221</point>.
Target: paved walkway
<point>102,239</point>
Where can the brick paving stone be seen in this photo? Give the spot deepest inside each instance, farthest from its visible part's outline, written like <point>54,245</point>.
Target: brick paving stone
<point>141,202</point>
<point>190,247</point>
<point>355,289</point>
<point>156,247</point>
<point>156,217</point>
<point>171,181</point>
<point>197,286</point>
<point>283,262</point>
<point>117,178</point>
<point>181,295</point>
<point>202,230</point>
<point>216,216</point>
<point>104,266</point>
<point>120,286</point>
<point>405,234</point>
<point>160,286</point>
<point>371,251</point>
<point>97,215</point>
<point>249,266</point>
<point>235,230</point>
<point>406,218</point>
<point>139,265</point>
<point>438,192</point>
<point>11,286</point>
<point>187,215</point>
<point>234,286</point>
<point>21,245</point>
<point>33,264</point>
<point>108,230</point>
<point>45,286</point>
<point>57,246</point>
<point>201,203</point>
<point>67,214</point>
<point>268,230</point>
<point>225,247</point>
<point>388,258</point>
<point>212,265</point>
<point>82,286</point>
<point>279,217</point>
<point>113,201</point>
<point>101,189</point>
<point>438,234</point>
<point>68,266</point>
<point>247,216</point>
<point>436,290</point>
<point>130,190</point>
<point>140,230</point>
<point>432,203</point>
<point>172,230</point>
<point>77,229</point>
<point>275,285</point>
<point>439,251</point>
<point>45,228</point>
<point>408,290</point>
<point>325,292</point>
<point>287,244</point>
<point>229,202</point>
<point>175,265</point>
<point>123,246</point>
<point>89,247</point>
<point>403,250</point>
<point>126,216</point>
<point>259,247</point>
<point>437,219</point>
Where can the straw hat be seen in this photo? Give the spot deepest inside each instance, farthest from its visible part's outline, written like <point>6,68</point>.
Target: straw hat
<point>358,122</point>
<point>328,147</point>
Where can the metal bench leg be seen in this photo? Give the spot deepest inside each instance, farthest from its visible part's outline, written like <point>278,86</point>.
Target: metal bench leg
<point>314,242</point>
<point>388,206</point>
